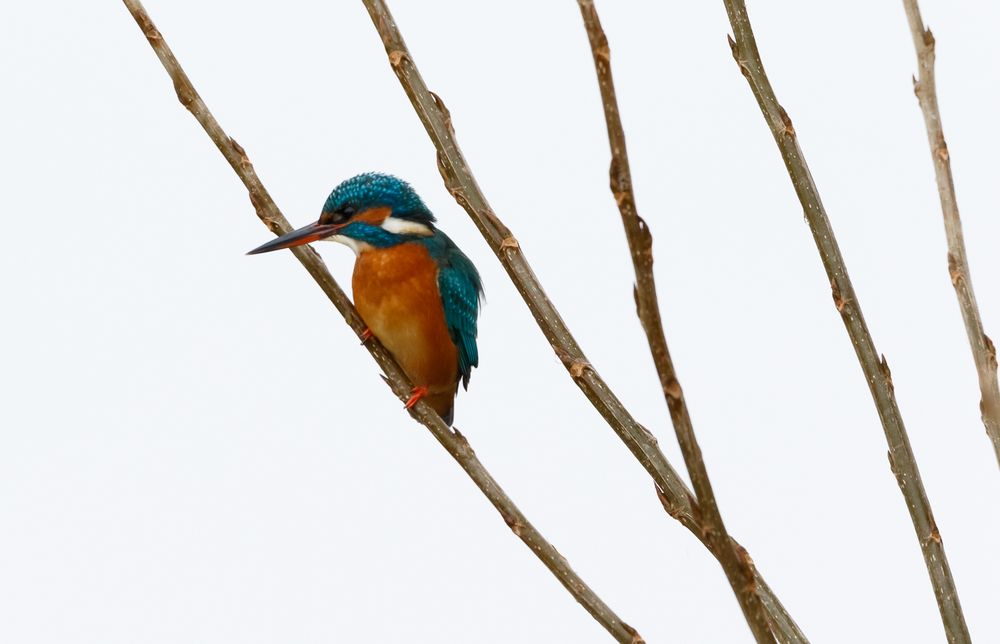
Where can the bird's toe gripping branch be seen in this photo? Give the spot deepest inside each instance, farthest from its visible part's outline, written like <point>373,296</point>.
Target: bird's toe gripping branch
<point>415,395</point>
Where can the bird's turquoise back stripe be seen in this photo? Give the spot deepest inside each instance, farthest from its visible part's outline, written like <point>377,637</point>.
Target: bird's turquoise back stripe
<point>461,289</point>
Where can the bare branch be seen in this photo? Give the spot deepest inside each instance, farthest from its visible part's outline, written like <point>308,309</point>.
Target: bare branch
<point>640,243</point>
<point>452,440</point>
<point>459,180</point>
<point>876,369</point>
<point>983,351</point>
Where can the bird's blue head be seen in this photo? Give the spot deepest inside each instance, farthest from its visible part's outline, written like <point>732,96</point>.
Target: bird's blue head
<point>373,190</point>
<point>366,211</point>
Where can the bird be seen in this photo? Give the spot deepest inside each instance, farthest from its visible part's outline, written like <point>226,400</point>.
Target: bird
<point>416,291</point>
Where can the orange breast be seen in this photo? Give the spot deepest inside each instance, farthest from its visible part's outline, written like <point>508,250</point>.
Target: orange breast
<point>396,293</point>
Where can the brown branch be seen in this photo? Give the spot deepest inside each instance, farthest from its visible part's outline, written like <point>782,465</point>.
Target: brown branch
<point>875,367</point>
<point>983,351</point>
<point>677,500</point>
<point>453,441</point>
<point>640,242</point>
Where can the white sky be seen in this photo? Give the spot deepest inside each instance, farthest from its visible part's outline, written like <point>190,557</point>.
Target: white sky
<point>194,448</point>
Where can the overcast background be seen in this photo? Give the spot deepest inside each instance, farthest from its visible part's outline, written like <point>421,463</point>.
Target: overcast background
<point>194,448</point>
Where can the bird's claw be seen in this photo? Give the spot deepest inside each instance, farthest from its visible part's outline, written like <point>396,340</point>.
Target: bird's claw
<point>366,335</point>
<point>415,394</point>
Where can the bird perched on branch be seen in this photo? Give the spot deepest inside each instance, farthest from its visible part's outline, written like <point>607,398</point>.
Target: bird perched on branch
<point>415,290</point>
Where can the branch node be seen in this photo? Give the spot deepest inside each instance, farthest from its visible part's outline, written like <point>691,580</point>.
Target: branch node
<point>509,242</point>
<point>636,638</point>
<point>743,555</point>
<point>263,213</point>
<point>838,298</point>
<point>396,57</point>
<point>577,367</point>
<point>675,511</point>
<point>442,167</point>
<point>515,524</point>
<point>929,39</point>
<point>673,389</point>
<point>244,159</point>
<point>185,94</point>
<point>618,173</point>
<point>445,112</point>
<point>934,535</point>
<point>941,150</point>
<point>955,271</point>
<point>991,351</point>
<point>884,366</point>
<point>744,69</point>
<point>648,434</point>
<point>458,195</point>
<point>786,122</point>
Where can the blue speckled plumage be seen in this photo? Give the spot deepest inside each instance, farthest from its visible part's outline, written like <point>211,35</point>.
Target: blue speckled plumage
<point>373,189</point>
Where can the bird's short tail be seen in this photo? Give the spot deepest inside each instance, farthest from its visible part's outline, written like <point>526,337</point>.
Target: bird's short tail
<point>443,402</point>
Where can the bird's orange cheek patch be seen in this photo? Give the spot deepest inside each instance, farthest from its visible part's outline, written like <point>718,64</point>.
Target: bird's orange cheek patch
<point>373,216</point>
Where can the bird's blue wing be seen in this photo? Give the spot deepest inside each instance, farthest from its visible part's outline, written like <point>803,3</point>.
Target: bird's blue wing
<point>461,288</point>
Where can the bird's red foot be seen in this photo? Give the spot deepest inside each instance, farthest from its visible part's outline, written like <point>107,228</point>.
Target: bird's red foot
<point>415,394</point>
<point>366,335</point>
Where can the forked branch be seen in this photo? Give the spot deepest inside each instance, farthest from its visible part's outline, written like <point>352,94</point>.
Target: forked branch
<point>453,441</point>
<point>677,500</point>
<point>983,351</point>
<point>640,242</point>
<point>875,367</point>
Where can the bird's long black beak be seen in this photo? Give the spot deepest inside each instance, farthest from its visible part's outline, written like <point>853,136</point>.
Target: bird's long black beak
<point>313,232</point>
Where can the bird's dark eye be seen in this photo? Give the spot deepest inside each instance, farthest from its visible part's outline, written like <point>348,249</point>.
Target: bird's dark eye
<point>338,216</point>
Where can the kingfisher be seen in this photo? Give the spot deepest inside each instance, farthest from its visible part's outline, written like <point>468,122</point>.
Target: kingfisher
<point>415,290</point>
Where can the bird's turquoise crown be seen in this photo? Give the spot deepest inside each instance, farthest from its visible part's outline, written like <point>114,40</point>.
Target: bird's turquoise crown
<point>376,190</point>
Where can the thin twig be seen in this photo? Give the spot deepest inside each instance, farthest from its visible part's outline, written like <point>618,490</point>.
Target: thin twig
<point>453,441</point>
<point>640,243</point>
<point>677,500</point>
<point>983,351</point>
<point>876,369</point>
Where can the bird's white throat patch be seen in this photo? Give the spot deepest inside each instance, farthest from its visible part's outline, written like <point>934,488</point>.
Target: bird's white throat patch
<point>406,227</point>
<point>356,245</point>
